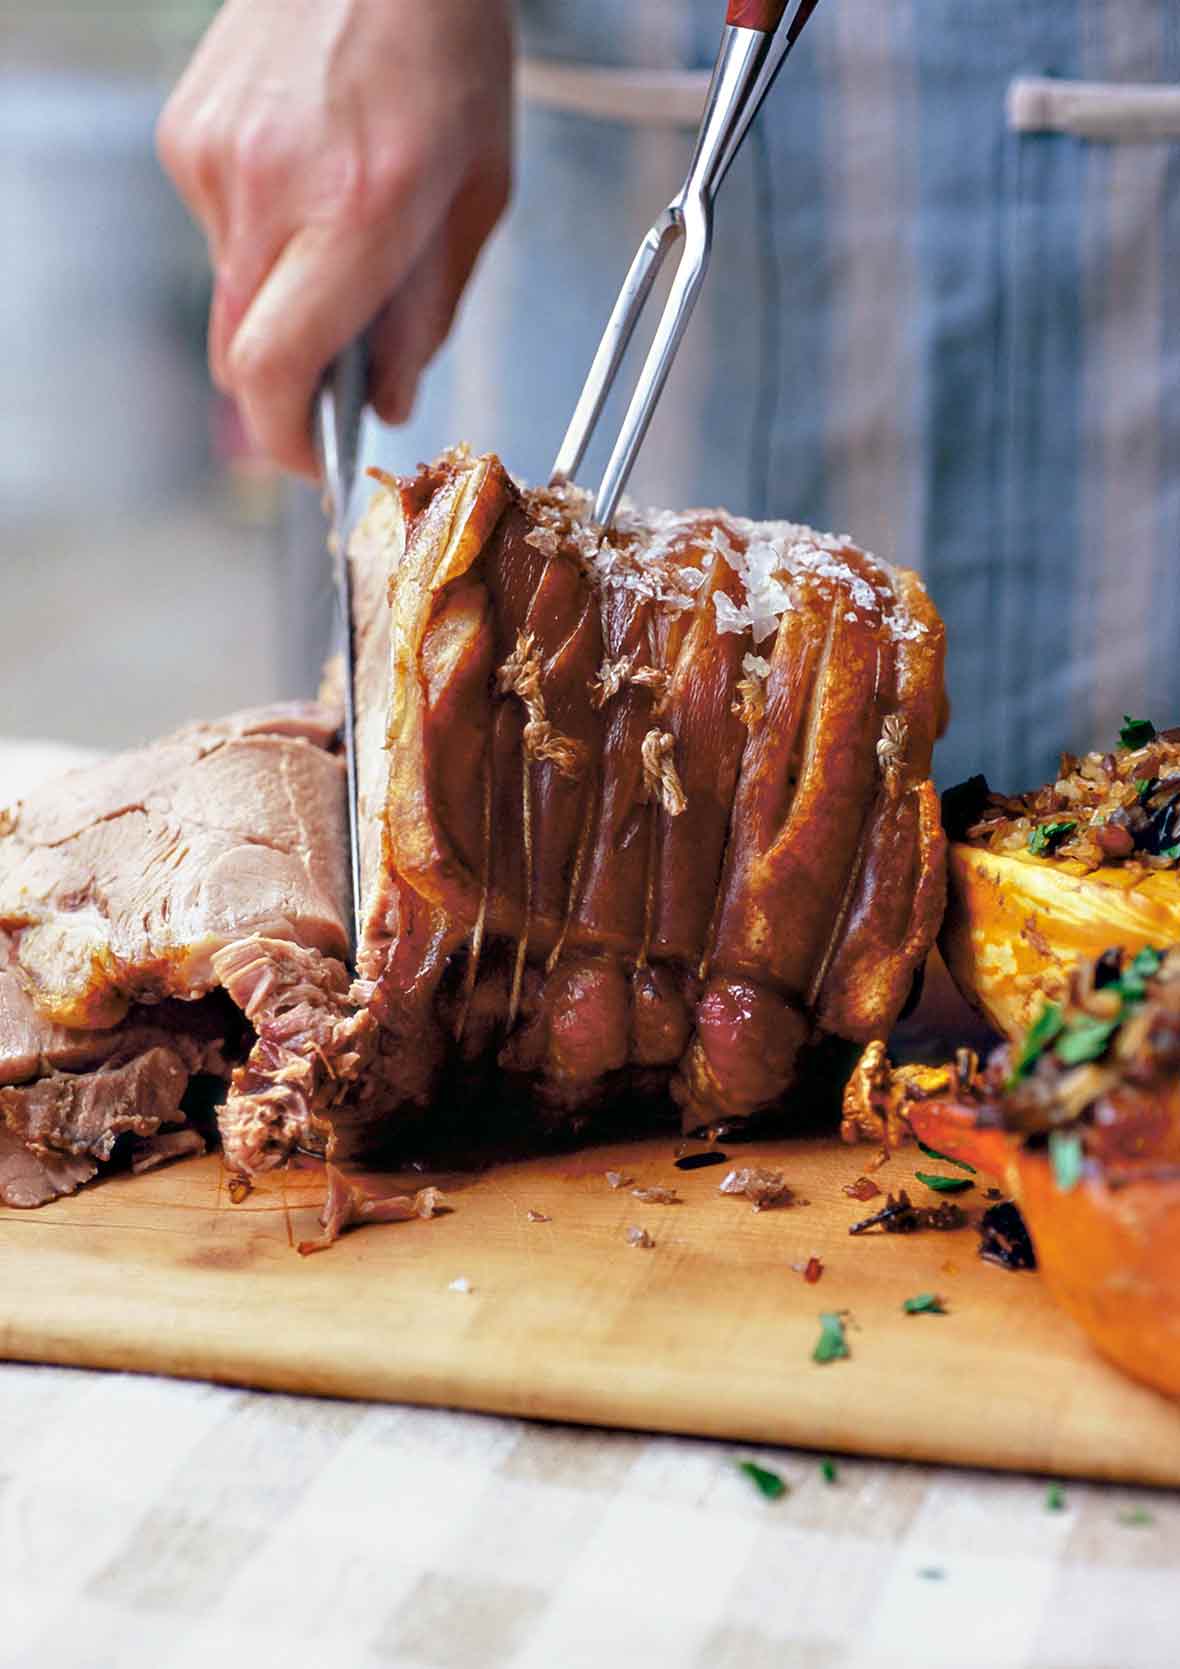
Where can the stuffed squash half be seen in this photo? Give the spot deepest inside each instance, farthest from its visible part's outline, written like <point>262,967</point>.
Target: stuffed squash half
<point>1040,880</point>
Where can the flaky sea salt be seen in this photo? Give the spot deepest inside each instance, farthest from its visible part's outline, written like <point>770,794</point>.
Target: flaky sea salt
<point>908,630</point>
<point>666,557</point>
<point>760,1187</point>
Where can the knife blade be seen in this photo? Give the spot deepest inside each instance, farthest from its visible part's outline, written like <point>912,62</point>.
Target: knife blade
<point>339,410</point>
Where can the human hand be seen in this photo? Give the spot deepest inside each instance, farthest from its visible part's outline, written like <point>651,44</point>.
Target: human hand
<point>347,160</point>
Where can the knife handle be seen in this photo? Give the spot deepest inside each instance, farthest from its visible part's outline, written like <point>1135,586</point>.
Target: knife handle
<point>756,14</point>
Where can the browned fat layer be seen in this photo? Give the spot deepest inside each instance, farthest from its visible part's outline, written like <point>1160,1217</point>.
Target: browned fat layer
<point>563,615</point>
<point>900,891</point>
<point>708,749</point>
<point>457,662</point>
<point>878,807</point>
<point>475,950</point>
<point>772,762</point>
<point>894,915</point>
<point>609,904</point>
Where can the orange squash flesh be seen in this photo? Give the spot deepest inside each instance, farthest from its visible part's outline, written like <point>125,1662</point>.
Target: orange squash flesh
<point>1016,925</point>
<point>1109,1252</point>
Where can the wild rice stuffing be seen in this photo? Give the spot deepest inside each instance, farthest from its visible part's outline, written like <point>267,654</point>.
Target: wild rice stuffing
<point>1121,807</point>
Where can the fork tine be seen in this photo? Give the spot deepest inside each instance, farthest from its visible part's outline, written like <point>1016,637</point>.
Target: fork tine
<point>754,43</point>
<point>686,285</point>
<point>632,299</point>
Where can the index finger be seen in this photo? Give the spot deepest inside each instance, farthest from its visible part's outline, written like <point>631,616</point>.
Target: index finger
<point>325,288</point>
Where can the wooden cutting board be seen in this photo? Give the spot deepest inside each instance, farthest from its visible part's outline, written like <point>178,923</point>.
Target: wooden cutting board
<point>710,1331</point>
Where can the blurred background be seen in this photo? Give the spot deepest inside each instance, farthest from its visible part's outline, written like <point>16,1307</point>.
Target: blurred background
<point>141,545</point>
<point>153,570</point>
<point>988,393</point>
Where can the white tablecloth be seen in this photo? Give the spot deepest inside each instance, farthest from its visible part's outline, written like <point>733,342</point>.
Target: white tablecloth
<point>156,1524</point>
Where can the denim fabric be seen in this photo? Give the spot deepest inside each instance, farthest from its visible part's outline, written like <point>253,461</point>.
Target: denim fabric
<point>959,343</point>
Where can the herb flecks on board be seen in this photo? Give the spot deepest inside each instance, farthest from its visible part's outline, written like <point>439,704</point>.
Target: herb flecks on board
<point>832,1344</point>
<point>766,1482</point>
<point>944,1184</point>
<point>925,1303</point>
<point>945,1158</point>
<point>899,1215</point>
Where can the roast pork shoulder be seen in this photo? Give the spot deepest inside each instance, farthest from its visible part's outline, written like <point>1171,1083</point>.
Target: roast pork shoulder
<point>645,815</point>
<point>644,812</point>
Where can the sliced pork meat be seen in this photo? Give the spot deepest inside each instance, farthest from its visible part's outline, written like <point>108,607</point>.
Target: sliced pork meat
<point>175,911</point>
<point>161,1149</point>
<point>311,1043</point>
<point>30,1179</point>
<point>640,808</point>
<point>85,1113</point>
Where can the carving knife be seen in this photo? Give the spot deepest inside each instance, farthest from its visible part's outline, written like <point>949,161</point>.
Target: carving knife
<point>339,409</point>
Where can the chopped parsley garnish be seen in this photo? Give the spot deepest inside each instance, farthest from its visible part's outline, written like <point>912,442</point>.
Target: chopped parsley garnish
<point>1046,837</point>
<point>1085,1040</point>
<point>900,1216</point>
<point>926,1303</point>
<point>944,1184</point>
<point>1132,983</point>
<point>1055,1499</point>
<point>1136,733</point>
<point>766,1482</point>
<point>1170,851</point>
<point>1144,785</point>
<point>831,1344</point>
<point>1037,1039</point>
<point>1136,1515</point>
<point>945,1158</point>
<point>829,1472</point>
<point>1066,1158</point>
<point>1085,1037</point>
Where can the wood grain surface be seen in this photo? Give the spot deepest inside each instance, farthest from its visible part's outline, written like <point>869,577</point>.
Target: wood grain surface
<point>710,1331</point>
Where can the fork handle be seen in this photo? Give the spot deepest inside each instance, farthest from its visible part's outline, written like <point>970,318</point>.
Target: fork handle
<point>756,14</point>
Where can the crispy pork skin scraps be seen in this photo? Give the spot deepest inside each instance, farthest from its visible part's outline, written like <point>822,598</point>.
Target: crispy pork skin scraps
<point>175,911</point>
<point>643,810</point>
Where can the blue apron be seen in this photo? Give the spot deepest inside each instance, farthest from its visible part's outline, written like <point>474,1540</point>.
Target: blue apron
<point>943,315</point>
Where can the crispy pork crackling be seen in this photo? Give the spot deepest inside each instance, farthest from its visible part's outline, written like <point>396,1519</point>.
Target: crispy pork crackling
<point>642,812</point>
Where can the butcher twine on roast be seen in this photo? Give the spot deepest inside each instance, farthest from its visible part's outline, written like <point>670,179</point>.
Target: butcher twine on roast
<point>175,911</point>
<point>642,811</point>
